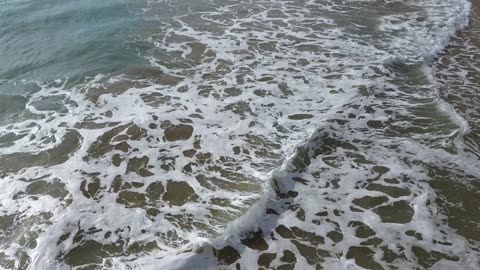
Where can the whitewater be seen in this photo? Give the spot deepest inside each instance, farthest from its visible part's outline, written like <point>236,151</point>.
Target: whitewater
<point>238,135</point>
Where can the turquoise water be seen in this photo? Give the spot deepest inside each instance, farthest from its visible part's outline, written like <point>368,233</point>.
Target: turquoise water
<point>45,40</point>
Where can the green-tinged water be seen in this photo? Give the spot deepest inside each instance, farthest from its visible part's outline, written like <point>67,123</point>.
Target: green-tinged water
<point>239,134</point>
<point>48,40</point>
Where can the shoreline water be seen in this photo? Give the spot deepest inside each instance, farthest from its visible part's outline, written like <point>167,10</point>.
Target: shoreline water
<point>253,232</point>
<point>170,154</point>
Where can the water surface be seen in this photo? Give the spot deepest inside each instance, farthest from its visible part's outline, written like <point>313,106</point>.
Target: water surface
<point>238,135</point>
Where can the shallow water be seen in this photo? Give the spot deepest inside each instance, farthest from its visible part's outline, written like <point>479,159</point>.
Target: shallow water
<point>239,134</point>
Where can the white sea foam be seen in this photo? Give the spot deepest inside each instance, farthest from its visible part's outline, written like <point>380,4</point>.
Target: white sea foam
<point>259,55</point>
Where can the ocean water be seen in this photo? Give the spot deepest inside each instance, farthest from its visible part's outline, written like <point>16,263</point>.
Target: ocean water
<point>235,134</point>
